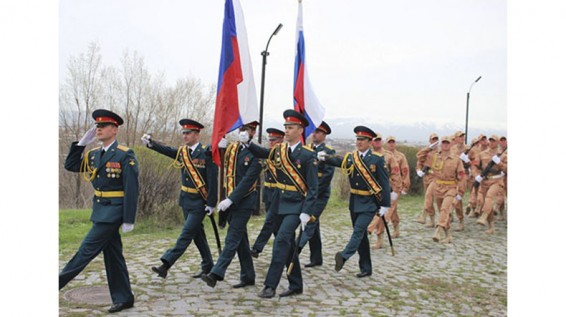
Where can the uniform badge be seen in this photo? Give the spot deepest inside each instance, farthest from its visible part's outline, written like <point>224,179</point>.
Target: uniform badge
<point>132,162</point>
<point>246,160</point>
<point>298,163</point>
<point>372,168</point>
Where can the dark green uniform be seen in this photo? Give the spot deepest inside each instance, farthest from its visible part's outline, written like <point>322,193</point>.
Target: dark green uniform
<point>269,191</point>
<point>288,205</point>
<point>193,203</point>
<point>115,181</point>
<point>244,201</point>
<point>363,206</point>
<point>312,230</point>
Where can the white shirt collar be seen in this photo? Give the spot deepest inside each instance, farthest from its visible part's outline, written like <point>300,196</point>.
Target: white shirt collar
<point>193,148</point>
<point>292,147</point>
<point>364,153</point>
<point>105,148</point>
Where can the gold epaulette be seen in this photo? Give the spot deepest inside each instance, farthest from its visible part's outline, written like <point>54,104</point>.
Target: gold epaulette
<point>307,147</point>
<point>329,147</point>
<point>376,153</point>
<point>123,148</point>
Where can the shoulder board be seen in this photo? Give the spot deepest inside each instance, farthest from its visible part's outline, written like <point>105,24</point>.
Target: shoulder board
<point>204,146</point>
<point>307,147</point>
<point>123,148</point>
<point>376,153</point>
<point>329,147</point>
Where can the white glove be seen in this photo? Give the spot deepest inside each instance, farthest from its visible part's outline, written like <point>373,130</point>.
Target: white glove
<point>223,143</point>
<point>420,173</point>
<point>146,139</point>
<point>304,220</point>
<point>225,204</point>
<point>394,196</point>
<point>127,227</point>
<point>321,156</point>
<point>403,193</point>
<point>244,137</point>
<point>479,178</point>
<point>502,173</point>
<point>496,159</point>
<point>458,197</point>
<point>89,137</point>
<point>433,145</point>
<point>209,210</point>
<point>383,211</point>
<point>464,157</point>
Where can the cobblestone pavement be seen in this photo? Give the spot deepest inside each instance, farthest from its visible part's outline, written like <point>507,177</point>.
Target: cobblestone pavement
<point>465,278</point>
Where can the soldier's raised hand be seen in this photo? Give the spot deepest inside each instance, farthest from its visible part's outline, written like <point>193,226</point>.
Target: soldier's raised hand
<point>146,139</point>
<point>88,137</point>
<point>223,143</point>
<point>244,137</point>
<point>321,156</point>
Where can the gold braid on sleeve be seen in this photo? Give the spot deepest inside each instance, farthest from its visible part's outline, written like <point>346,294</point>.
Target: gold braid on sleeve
<point>344,167</point>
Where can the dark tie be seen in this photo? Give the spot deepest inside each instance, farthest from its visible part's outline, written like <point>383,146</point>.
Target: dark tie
<point>102,153</point>
<point>190,151</point>
<point>361,156</point>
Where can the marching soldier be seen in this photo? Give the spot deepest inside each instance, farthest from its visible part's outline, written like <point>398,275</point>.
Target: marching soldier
<point>424,156</point>
<point>112,170</point>
<point>392,215</point>
<point>396,184</point>
<point>242,171</point>
<point>369,193</point>
<point>197,197</point>
<point>275,136</point>
<point>458,148</point>
<point>325,174</point>
<point>450,184</point>
<point>478,145</point>
<point>492,187</point>
<point>297,188</point>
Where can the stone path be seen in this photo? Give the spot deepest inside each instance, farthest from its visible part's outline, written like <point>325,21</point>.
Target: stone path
<point>465,278</point>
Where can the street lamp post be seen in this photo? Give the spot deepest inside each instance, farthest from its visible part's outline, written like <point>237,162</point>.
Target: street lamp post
<point>265,53</point>
<point>467,108</point>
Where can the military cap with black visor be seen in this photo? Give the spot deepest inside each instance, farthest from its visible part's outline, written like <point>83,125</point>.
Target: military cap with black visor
<point>273,134</point>
<point>294,117</point>
<point>103,116</point>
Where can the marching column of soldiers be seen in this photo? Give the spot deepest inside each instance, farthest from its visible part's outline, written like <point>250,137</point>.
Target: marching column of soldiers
<point>295,193</point>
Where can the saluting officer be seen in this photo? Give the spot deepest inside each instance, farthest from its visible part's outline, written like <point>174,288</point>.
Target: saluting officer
<point>297,188</point>
<point>274,136</point>
<point>112,170</point>
<point>369,193</point>
<point>242,172</point>
<point>198,195</point>
<point>325,174</point>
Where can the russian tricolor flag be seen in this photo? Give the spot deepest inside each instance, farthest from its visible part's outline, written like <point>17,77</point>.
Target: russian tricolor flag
<point>236,100</point>
<point>304,96</point>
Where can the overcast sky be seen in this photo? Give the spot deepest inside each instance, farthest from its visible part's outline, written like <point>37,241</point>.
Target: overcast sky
<point>398,61</point>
